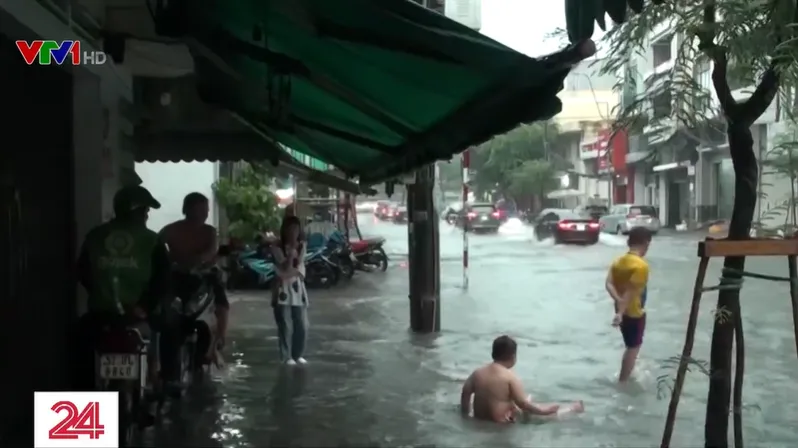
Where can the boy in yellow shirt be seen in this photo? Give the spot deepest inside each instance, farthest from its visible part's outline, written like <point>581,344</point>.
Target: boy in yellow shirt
<point>626,283</point>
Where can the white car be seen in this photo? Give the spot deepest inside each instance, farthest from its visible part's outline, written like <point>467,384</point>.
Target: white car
<point>623,217</point>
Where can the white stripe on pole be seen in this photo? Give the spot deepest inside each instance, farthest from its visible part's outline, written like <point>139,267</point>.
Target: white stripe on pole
<point>465,160</point>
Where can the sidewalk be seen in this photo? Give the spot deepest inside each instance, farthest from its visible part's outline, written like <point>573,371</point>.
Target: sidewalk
<point>696,234</point>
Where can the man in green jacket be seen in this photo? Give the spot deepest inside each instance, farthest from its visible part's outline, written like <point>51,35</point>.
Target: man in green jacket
<point>125,269</point>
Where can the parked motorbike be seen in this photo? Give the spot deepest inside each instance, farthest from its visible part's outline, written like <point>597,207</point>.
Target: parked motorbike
<point>121,360</point>
<point>340,254</point>
<point>369,254</point>
<point>249,269</point>
<point>320,271</point>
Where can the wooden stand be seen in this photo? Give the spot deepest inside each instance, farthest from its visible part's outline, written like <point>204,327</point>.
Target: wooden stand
<point>711,248</point>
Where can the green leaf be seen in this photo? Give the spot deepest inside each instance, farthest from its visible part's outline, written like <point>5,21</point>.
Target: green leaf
<point>249,203</point>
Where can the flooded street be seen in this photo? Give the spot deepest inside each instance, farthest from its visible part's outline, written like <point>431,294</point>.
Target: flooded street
<point>371,383</point>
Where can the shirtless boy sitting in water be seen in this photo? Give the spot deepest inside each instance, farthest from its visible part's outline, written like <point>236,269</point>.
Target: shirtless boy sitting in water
<point>498,393</point>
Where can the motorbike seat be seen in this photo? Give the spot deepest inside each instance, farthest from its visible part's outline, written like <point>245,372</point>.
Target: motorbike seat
<point>133,338</point>
<point>359,246</point>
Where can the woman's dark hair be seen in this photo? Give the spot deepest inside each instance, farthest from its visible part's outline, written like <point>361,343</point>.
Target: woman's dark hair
<point>192,200</point>
<point>288,222</point>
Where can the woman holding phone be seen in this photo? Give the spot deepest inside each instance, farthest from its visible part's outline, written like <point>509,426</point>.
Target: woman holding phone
<point>289,295</point>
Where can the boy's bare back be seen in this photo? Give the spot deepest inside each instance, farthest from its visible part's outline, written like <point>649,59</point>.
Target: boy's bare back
<point>497,392</point>
<point>492,393</point>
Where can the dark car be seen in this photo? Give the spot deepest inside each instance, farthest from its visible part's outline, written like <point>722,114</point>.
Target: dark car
<point>566,226</point>
<point>592,211</point>
<point>400,214</point>
<point>384,210</point>
<point>479,218</point>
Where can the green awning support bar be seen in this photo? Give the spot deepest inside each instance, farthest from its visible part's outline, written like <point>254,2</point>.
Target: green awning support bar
<point>292,66</point>
<point>340,134</point>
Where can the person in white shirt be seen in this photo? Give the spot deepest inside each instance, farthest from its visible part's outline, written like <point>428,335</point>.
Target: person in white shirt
<point>289,295</point>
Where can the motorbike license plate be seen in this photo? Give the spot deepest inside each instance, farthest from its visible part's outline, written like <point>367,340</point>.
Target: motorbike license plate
<point>119,366</point>
<point>580,227</point>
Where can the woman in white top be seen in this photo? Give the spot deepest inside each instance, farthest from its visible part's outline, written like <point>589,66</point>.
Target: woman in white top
<point>289,295</point>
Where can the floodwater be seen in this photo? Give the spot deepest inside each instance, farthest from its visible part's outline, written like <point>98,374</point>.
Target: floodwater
<point>371,383</point>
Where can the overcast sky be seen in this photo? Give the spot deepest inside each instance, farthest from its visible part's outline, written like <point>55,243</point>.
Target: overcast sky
<point>523,24</point>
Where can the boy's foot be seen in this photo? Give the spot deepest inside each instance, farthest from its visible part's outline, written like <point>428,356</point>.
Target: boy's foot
<point>290,362</point>
<point>301,360</point>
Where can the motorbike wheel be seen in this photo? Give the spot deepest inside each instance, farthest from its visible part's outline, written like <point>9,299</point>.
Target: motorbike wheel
<point>380,259</point>
<point>187,356</point>
<point>129,408</point>
<point>320,276</point>
<point>347,268</point>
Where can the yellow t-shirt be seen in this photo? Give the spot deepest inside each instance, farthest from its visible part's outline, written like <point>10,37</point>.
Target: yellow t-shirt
<point>630,272</point>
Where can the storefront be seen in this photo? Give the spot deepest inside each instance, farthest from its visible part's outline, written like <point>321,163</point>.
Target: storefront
<point>675,192</point>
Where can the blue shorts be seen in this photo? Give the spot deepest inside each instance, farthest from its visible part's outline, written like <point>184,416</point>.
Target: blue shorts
<point>632,329</point>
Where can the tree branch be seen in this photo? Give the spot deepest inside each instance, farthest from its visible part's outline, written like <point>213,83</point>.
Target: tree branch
<point>768,86</point>
<point>764,94</point>
<point>706,43</point>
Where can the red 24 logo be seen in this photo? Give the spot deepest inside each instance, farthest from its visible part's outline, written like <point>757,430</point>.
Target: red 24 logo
<point>77,423</point>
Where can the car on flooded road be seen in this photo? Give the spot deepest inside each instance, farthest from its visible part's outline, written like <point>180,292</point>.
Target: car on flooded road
<point>384,210</point>
<point>479,218</point>
<point>365,206</point>
<point>565,227</point>
<point>400,214</point>
<point>624,217</point>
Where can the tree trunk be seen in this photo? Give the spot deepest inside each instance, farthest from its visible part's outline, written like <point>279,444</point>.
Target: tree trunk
<point>536,203</point>
<point>741,147</point>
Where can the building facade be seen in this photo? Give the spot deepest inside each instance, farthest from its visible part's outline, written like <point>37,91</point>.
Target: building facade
<point>686,174</point>
<point>589,105</point>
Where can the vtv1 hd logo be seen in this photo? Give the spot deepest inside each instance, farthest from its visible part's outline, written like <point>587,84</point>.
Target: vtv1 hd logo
<point>45,52</point>
<point>76,419</point>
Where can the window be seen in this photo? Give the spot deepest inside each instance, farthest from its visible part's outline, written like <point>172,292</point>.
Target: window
<point>661,51</point>
<point>483,208</point>
<point>645,210</point>
<point>661,105</point>
<point>567,214</point>
<point>703,78</point>
<point>550,216</point>
<point>436,5</point>
<point>596,209</point>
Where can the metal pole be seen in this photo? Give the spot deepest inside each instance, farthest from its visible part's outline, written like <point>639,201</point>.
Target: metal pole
<point>466,163</point>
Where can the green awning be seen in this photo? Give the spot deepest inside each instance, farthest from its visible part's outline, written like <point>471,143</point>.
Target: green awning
<point>308,161</point>
<point>375,88</point>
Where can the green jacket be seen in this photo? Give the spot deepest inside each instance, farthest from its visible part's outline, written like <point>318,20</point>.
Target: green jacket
<point>117,265</point>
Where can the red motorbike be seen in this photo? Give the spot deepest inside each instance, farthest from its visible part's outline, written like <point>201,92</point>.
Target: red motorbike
<point>369,254</point>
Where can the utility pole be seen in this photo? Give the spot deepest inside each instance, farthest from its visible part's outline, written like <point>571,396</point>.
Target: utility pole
<point>423,253</point>
<point>423,248</point>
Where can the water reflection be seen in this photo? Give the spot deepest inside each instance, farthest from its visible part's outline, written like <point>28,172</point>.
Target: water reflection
<point>371,383</point>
